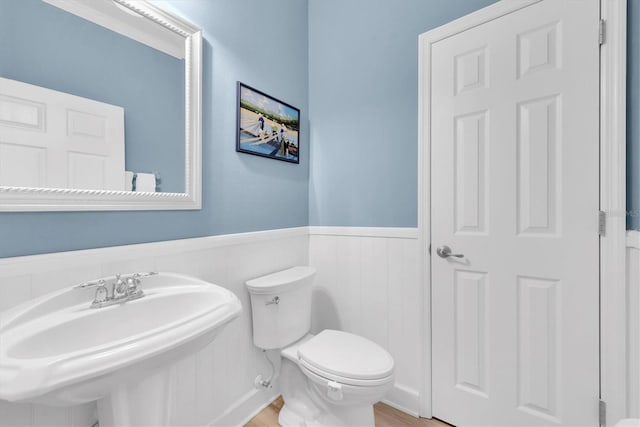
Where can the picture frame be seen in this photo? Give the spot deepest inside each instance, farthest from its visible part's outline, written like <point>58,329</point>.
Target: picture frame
<point>267,126</point>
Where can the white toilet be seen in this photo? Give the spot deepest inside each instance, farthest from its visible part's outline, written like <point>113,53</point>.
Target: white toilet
<point>330,379</point>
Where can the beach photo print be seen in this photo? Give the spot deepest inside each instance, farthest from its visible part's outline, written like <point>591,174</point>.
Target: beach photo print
<point>266,126</point>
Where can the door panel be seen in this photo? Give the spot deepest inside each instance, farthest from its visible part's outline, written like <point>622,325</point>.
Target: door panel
<point>514,163</point>
<point>51,139</point>
<point>471,343</point>
<point>470,141</point>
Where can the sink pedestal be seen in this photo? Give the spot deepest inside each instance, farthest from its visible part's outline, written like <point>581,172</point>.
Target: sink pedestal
<point>144,403</point>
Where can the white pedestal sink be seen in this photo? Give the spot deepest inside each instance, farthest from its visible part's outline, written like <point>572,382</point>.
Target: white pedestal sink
<point>56,350</point>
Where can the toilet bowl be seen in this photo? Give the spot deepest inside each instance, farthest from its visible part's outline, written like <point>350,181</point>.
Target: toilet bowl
<point>338,378</point>
<point>329,379</point>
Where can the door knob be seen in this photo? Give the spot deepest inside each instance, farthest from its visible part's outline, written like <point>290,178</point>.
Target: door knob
<point>445,252</point>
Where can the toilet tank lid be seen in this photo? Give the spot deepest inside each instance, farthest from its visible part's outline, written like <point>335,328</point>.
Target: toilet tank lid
<point>280,281</point>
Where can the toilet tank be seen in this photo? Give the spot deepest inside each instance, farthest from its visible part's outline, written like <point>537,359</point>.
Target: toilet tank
<point>281,307</point>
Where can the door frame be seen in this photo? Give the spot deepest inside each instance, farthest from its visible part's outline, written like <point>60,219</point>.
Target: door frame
<point>613,56</point>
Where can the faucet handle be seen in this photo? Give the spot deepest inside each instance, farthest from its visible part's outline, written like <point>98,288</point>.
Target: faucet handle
<point>89,284</point>
<point>150,273</point>
<point>119,286</point>
<point>132,284</point>
<point>102,293</point>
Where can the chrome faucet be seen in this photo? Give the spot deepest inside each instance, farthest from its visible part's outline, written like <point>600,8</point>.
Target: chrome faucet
<point>118,288</point>
<point>122,290</point>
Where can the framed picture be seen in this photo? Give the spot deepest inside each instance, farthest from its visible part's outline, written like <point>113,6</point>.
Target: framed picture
<point>267,127</point>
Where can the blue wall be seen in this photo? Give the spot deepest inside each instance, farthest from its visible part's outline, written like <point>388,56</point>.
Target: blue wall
<point>363,79</point>
<point>46,46</point>
<point>633,115</point>
<point>263,44</point>
<point>363,105</point>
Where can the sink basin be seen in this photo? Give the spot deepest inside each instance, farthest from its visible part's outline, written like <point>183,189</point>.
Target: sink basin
<point>57,350</point>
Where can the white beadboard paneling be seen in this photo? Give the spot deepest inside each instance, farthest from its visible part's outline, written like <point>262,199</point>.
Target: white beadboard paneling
<point>134,263</point>
<point>405,310</point>
<point>44,416</point>
<point>84,415</point>
<point>209,264</point>
<point>633,324</point>
<point>220,375</point>
<point>241,356</point>
<point>413,317</point>
<point>374,290</point>
<point>212,386</point>
<point>325,311</point>
<point>208,398</point>
<point>184,402</point>
<point>16,414</point>
<point>398,288</point>
<point>348,270</point>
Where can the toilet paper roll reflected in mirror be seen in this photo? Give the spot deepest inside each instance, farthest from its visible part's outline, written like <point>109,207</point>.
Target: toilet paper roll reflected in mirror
<point>146,182</point>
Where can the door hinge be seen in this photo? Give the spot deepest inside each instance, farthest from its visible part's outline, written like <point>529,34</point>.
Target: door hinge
<point>602,223</point>
<point>602,412</point>
<point>602,31</point>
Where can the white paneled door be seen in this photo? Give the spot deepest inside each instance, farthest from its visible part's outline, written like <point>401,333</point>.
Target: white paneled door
<point>51,139</point>
<point>514,193</point>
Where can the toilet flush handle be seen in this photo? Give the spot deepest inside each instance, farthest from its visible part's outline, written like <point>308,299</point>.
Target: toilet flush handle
<point>334,390</point>
<point>275,300</point>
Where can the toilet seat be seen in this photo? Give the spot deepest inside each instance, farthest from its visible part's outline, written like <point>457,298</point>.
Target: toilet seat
<point>315,373</point>
<point>346,358</point>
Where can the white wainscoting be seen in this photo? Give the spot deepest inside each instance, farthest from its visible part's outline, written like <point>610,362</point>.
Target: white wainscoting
<point>633,324</point>
<point>368,283</point>
<point>214,386</point>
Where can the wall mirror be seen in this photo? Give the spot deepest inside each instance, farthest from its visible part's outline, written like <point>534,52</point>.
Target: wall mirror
<point>100,106</point>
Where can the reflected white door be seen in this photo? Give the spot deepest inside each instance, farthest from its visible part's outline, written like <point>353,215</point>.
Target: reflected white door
<point>515,140</point>
<point>51,139</point>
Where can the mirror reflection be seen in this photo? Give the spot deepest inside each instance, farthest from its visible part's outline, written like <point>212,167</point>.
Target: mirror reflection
<point>86,107</point>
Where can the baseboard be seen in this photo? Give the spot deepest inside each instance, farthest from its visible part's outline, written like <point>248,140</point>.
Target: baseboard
<point>248,406</point>
<point>245,408</point>
<point>404,399</point>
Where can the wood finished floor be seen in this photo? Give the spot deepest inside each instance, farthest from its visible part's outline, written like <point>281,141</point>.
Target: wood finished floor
<point>386,416</point>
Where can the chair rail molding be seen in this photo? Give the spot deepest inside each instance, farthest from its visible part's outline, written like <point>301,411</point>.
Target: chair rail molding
<point>385,232</point>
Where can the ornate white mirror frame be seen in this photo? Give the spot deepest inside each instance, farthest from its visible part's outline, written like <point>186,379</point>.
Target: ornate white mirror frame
<point>61,199</point>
